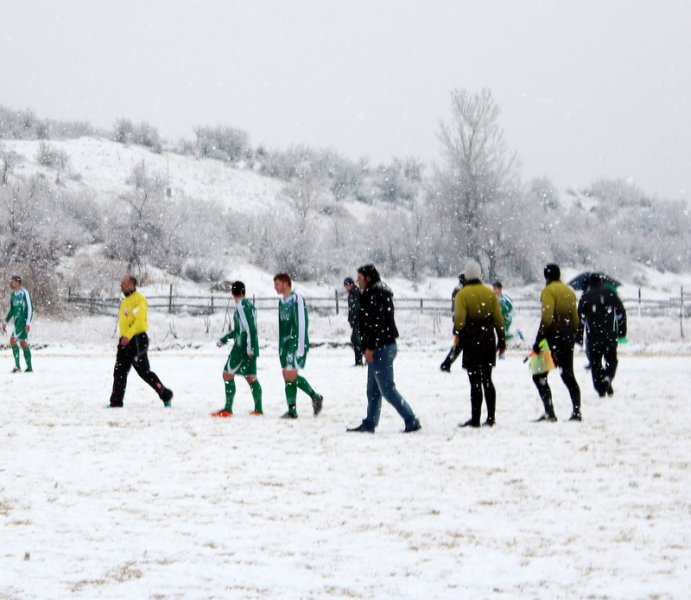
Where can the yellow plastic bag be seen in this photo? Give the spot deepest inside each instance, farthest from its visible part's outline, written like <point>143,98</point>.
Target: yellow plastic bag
<point>541,363</point>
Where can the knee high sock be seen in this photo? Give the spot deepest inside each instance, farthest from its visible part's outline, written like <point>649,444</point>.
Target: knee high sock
<point>230,393</point>
<point>257,395</point>
<point>291,396</point>
<point>27,358</point>
<point>304,385</point>
<point>15,353</point>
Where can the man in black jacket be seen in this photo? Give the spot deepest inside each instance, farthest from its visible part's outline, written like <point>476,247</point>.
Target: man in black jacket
<point>354,318</point>
<point>603,317</point>
<point>379,333</point>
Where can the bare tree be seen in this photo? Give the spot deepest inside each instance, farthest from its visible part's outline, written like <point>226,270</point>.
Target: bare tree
<point>304,194</point>
<point>9,159</point>
<point>480,171</point>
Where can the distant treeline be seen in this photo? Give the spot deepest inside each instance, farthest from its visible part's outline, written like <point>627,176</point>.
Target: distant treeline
<point>423,220</point>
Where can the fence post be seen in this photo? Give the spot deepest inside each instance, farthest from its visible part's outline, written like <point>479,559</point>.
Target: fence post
<point>170,299</point>
<point>681,313</point>
<point>212,303</point>
<point>639,303</point>
<point>336,296</point>
<point>421,307</point>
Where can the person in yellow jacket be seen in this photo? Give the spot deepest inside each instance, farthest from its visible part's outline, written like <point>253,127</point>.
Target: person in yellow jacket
<point>477,316</point>
<point>133,346</point>
<point>558,325</point>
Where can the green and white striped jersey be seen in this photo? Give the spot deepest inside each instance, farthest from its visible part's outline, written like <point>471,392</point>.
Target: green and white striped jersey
<point>292,324</point>
<point>21,309</point>
<point>244,332</point>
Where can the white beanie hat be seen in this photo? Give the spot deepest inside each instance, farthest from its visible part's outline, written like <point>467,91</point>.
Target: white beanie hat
<point>472,270</point>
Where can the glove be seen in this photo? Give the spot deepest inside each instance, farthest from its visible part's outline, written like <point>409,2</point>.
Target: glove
<point>536,348</point>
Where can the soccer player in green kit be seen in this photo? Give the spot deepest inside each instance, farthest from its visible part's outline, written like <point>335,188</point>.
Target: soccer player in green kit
<point>293,344</point>
<point>242,359</point>
<point>21,310</point>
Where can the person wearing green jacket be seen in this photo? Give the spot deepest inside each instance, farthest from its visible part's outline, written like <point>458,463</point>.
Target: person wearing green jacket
<point>242,359</point>
<point>21,311</point>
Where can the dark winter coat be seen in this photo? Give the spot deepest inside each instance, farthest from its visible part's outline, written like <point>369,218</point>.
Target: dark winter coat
<point>477,316</point>
<point>602,316</point>
<point>354,307</point>
<point>377,324</point>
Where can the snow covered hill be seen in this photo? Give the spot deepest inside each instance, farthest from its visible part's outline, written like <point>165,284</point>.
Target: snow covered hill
<point>103,167</point>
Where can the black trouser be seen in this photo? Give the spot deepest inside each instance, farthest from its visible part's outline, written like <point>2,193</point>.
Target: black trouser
<point>603,375</point>
<point>356,341</point>
<point>481,379</point>
<point>134,354</point>
<point>563,359</point>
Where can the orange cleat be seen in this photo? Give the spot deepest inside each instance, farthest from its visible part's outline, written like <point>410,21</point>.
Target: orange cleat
<point>222,414</point>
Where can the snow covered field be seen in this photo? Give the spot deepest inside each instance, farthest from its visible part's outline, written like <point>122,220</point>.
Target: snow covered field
<point>152,503</point>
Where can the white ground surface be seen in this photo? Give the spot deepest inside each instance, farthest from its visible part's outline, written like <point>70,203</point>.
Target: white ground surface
<point>152,503</point>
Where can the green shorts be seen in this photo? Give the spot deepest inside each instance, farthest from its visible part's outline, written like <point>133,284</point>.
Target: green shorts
<point>20,334</point>
<point>239,363</point>
<point>291,362</point>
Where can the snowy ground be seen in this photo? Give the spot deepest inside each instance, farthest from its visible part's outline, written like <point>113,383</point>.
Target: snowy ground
<point>152,503</point>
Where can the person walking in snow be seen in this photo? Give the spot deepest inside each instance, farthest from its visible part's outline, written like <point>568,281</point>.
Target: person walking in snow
<point>603,317</point>
<point>506,305</point>
<point>456,347</point>
<point>379,333</point>
<point>558,325</point>
<point>477,316</point>
<point>133,345</point>
<point>293,345</point>
<point>242,359</point>
<point>21,311</point>
<point>354,317</point>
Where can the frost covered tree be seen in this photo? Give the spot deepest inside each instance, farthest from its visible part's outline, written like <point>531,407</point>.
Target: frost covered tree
<point>135,227</point>
<point>36,231</point>
<point>480,174</point>
<point>222,143</point>
<point>304,195</point>
<point>9,159</point>
<point>399,182</point>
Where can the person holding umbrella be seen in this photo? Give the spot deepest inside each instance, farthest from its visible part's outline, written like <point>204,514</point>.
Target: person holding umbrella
<point>603,317</point>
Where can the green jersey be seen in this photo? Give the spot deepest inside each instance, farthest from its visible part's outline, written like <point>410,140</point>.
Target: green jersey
<point>244,332</point>
<point>506,305</point>
<point>292,325</point>
<point>21,310</point>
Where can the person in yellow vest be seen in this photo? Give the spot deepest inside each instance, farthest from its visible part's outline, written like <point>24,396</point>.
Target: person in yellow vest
<point>133,345</point>
<point>480,326</point>
<point>558,325</point>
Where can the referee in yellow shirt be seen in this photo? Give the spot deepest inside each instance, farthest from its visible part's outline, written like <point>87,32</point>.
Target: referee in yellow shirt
<point>133,346</point>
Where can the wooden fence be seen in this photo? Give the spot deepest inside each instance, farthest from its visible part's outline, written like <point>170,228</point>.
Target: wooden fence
<point>209,304</point>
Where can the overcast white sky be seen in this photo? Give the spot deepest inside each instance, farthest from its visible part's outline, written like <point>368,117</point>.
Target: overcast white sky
<point>588,88</point>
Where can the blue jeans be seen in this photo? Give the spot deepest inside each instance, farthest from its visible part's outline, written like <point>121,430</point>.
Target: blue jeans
<point>380,383</point>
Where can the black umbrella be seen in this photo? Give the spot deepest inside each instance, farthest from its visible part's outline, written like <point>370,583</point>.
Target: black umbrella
<point>580,282</point>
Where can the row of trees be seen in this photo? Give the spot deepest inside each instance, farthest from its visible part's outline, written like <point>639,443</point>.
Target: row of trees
<point>472,205</point>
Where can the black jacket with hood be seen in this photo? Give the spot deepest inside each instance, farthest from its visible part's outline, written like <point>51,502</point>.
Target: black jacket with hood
<point>377,323</point>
